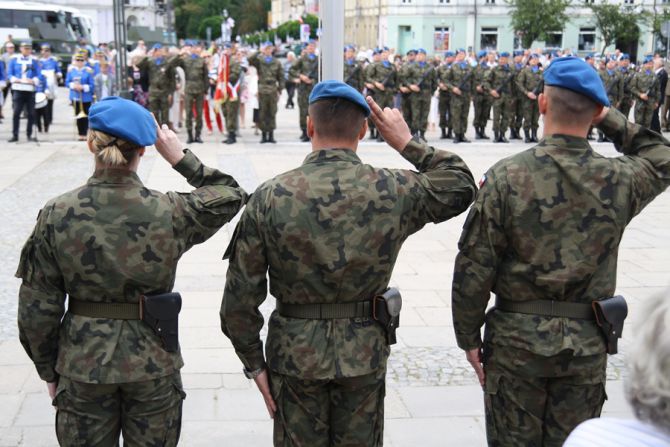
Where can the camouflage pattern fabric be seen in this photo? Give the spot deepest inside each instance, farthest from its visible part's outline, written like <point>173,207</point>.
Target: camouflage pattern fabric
<point>500,79</point>
<point>111,241</point>
<point>270,82</point>
<point>194,103</point>
<point>546,224</point>
<point>627,100</point>
<point>308,65</point>
<point>231,105</point>
<point>460,76</point>
<point>536,401</point>
<point>367,73</point>
<point>384,72</point>
<point>613,82</point>
<point>645,82</point>
<point>148,412</point>
<point>231,110</point>
<point>329,413</point>
<point>353,74</point>
<point>425,76</point>
<point>161,84</point>
<point>481,101</point>
<point>403,77</point>
<point>444,97</point>
<point>527,82</point>
<point>516,120</point>
<point>196,73</point>
<point>159,105</point>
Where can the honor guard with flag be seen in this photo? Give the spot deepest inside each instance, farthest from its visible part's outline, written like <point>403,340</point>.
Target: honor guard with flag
<point>227,94</point>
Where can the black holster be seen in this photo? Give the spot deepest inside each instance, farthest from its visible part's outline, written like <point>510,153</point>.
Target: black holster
<point>161,313</point>
<point>610,315</point>
<point>386,311</point>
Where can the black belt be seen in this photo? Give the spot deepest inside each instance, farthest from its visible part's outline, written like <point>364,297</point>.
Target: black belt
<point>548,308</point>
<point>114,311</point>
<point>326,311</point>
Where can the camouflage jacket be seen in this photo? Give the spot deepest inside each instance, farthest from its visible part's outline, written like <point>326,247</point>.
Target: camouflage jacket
<point>111,241</point>
<point>613,83</point>
<point>479,73</point>
<point>528,81</point>
<point>547,224</point>
<point>646,82</point>
<point>308,65</point>
<point>424,76</point>
<point>385,73</point>
<point>442,72</point>
<point>353,74</point>
<point>404,74</point>
<point>330,231</point>
<point>627,75</point>
<point>501,79</point>
<point>270,73</point>
<point>197,74</point>
<point>461,75</point>
<point>161,75</point>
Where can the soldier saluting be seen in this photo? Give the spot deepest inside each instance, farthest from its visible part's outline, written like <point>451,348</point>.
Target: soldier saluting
<point>197,83</point>
<point>305,73</point>
<point>270,82</point>
<point>329,245</point>
<point>111,246</point>
<point>161,83</point>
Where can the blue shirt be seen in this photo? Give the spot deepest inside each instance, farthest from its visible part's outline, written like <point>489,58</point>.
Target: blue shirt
<point>85,78</point>
<point>3,75</point>
<point>50,63</point>
<point>16,68</point>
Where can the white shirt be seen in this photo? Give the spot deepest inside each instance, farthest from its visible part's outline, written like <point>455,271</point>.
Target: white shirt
<point>610,432</point>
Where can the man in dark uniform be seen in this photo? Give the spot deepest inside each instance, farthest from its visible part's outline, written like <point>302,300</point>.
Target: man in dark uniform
<point>161,82</point>
<point>613,83</point>
<point>405,93</point>
<point>460,83</point>
<point>305,72</point>
<point>329,246</point>
<point>384,78</point>
<point>498,83</point>
<point>422,85</point>
<point>24,75</point>
<point>529,85</point>
<point>353,71</point>
<point>646,91</point>
<point>197,83</point>
<point>482,100</point>
<point>543,235</point>
<point>516,118</point>
<point>270,82</point>
<point>444,95</point>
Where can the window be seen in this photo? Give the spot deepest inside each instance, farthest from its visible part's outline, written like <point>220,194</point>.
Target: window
<point>489,39</point>
<point>441,39</point>
<point>587,39</point>
<point>554,40</point>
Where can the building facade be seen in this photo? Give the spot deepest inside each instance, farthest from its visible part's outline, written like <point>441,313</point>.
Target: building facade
<point>287,10</point>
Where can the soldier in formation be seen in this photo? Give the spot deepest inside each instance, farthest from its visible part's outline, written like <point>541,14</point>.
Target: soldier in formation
<point>353,71</point>
<point>646,90</point>
<point>460,83</point>
<point>529,85</point>
<point>305,73</point>
<point>403,87</point>
<point>324,345</point>
<point>422,85</point>
<point>383,78</point>
<point>498,82</point>
<point>227,94</point>
<point>613,83</point>
<point>196,73</point>
<point>482,100</point>
<point>270,83</point>
<point>444,96</point>
<point>161,83</point>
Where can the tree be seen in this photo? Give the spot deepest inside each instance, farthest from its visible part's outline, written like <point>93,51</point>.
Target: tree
<point>616,22</point>
<point>190,16</point>
<point>534,19</point>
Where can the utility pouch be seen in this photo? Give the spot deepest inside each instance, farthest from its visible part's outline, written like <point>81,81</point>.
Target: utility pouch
<point>610,315</point>
<point>386,311</point>
<point>161,313</point>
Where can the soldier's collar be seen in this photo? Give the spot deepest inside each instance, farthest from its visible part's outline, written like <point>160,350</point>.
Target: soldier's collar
<point>334,154</point>
<point>113,176</point>
<point>566,141</point>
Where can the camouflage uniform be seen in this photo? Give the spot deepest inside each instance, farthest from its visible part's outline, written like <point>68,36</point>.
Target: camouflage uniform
<point>627,100</point>
<point>231,104</point>
<point>482,100</point>
<point>367,73</point>
<point>308,65</point>
<point>529,81</point>
<point>516,120</point>
<point>403,77</point>
<point>111,241</point>
<point>353,74</point>
<point>546,225</point>
<point>270,82</point>
<point>645,81</point>
<point>424,76</point>
<point>444,100</point>
<point>333,236</point>
<point>161,85</point>
<point>460,76</point>
<point>613,83</point>
<point>385,73</point>
<point>500,79</point>
<point>197,83</point>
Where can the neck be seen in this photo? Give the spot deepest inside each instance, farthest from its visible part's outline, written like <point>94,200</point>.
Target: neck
<point>325,143</point>
<point>551,127</point>
<point>130,167</point>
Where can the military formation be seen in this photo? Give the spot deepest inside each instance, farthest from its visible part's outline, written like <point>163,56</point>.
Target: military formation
<point>98,316</point>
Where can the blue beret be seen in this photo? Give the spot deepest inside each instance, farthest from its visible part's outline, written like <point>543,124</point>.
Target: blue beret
<point>385,48</point>
<point>46,45</point>
<point>482,54</point>
<point>554,54</point>
<point>504,54</point>
<point>124,119</point>
<point>338,89</point>
<point>518,52</point>
<point>574,74</point>
<point>157,46</point>
<point>349,47</point>
<point>227,45</point>
<point>461,50</point>
<point>377,51</point>
<point>267,43</point>
<point>625,56</point>
<point>421,50</point>
<point>534,56</point>
<point>188,43</point>
<point>588,57</point>
<point>449,54</point>
<point>648,58</point>
<point>411,52</point>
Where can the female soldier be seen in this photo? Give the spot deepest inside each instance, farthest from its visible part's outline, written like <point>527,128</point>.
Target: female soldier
<point>106,245</point>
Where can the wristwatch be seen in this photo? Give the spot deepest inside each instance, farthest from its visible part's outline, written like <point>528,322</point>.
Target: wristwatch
<point>251,375</point>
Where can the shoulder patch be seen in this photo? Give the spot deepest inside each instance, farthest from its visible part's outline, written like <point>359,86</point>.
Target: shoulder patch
<point>482,181</point>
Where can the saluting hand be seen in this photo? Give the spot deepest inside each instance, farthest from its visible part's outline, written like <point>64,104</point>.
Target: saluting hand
<point>390,124</point>
<point>168,144</point>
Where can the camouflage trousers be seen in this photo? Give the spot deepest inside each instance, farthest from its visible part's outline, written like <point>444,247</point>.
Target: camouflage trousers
<point>517,120</point>
<point>267,111</point>
<point>482,106</point>
<point>536,401</point>
<point>644,112</point>
<point>503,108</point>
<point>147,413</point>
<point>373,94</point>
<point>231,110</point>
<point>443,109</point>
<point>303,103</point>
<point>193,104</point>
<point>160,107</point>
<point>531,114</point>
<point>407,112</point>
<point>329,413</point>
<point>385,98</point>
<point>459,110</point>
<point>625,105</point>
<point>420,103</point>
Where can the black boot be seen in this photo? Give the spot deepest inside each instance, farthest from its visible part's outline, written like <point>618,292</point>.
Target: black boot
<point>483,133</point>
<point>444,134</point>
<point>189,140</point>
<point>496,136</point>
<point>449,133</point>
<point>231,138</point>
<point>423,135</point>
<point>197,138</point>
<point>304,138</point>
<point>264,137</point>
<point>528,139</point>
<point>462,139</point>
<point>501,138</point>
<point>372,134</point>
<point>517,132</point>
<point>601,137</point>
<point>478,133</point>
<point>533,137</point>
<point>271,137</point>
<point>14,139</point>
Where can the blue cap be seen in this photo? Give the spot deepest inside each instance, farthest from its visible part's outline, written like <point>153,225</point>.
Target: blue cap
<point>157,46</point>
<point>554,54</point>
<point>534,56</point>
<point>385,48</point>
<point>648,58</point>
<point>188,43</point>
<point>625,57</point>
<point>421,50</point>
<point>504,54</point>
<point>124,119</point>
<point>482,53</point>
<point>449,53</point>
<point>377,51</point>
<point>461,50</point>
<point>46,45</point>
<point>267,43</point>
<point>518,53</point>
<point>411,52</point>
<point>227,45</point>
<point>575,74</point>
<point>349,47</point>
<point>338,89</point>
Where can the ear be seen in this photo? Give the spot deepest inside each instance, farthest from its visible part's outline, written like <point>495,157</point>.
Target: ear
<point>89,143</point>
<point>310,127</point>
<point>542,103</point>
<point>364,130</point>
<point>141,151</point>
